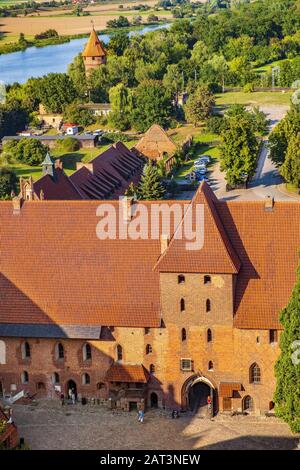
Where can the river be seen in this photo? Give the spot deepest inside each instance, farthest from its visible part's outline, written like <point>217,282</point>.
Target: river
<point>39,61</point>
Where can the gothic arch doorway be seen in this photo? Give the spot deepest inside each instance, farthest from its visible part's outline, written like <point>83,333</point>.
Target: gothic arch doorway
<point>153,400</point>
<point>71,385</point>
<point>197,393</point>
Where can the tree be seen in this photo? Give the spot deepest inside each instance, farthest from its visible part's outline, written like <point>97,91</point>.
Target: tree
<point>74,113</point>
<point>55,91</point>
<point>290,169</point>
<point>199,105</point>
<point>8,182</point>
<point>256,118</point>
<point>120,98</point>
<point>152,104</point>
<point>238,151</point>
<point>118,43</point>
<point>29,151</point>
<point>13,118</point>
<point>150,187</point>
<point>279,138</point>
<point>287,368</point>
<point>76,72</point>
<point>22,41</point>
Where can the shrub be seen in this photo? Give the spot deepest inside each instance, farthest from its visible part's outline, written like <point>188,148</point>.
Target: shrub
<point>68,144</point>
<point>216,124</point>
<point>248,88</point>
<point>8,183</point>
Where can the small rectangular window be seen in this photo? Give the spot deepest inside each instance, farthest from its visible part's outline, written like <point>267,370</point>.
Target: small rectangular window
<point>207,279</point>
<point>186,364</point>
<point>273,336</point>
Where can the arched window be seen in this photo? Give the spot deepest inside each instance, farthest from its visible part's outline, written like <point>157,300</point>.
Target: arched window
<point>55,378</point>
<point>183,334</point>
<point>254,374</point>
<point>25,350</point>
<point>210,365</point>
<point>152,369</point>
<point>148,349</point>
<point>119,353</point>
<point>271,405</point>
<point>87,352</point>
<point>182,305</point>
<point>59,351</point>
<point>208,305</point>
<point>86,380</point>
<point>2,352</point>
<point>207,279</point>
<point>247,403</point>
<point>24,377</point>
<point>209,335</point>
<point>181,279</point>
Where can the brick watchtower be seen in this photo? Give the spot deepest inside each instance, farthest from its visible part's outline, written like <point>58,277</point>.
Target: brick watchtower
<point>94,53</point>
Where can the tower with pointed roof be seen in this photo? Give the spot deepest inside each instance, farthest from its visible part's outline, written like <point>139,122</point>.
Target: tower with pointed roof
<point>94,53</point>
<point>48,165</point>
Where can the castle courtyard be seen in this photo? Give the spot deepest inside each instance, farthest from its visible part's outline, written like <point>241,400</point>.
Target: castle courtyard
<point>47,425</point>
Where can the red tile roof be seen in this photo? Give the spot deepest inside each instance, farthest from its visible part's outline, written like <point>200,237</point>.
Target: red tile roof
<point>111,173</point>
<point>267,244</point>
<point>58,188</point>
<point>215,256</point>
<point>127,373</point>
<point>54,269</point>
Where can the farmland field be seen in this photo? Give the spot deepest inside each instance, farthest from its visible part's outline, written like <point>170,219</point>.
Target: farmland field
<point>30,25</point>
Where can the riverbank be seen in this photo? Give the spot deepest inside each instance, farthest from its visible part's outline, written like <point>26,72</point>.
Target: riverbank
<point>16,47</point>
<point>38,61</point>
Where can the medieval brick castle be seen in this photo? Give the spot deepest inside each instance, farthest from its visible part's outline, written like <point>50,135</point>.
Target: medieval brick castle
<point>145,321</point>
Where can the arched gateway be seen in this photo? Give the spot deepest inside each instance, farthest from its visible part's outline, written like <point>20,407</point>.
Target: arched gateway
<point>195,393</point>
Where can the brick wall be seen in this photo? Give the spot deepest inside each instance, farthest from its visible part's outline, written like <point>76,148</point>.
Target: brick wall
<point>231,351</point>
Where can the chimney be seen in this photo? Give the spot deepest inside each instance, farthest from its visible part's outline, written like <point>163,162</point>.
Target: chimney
<point>17,204</point>
<point>269,204</point>
<point>127,203</point>
<point>58,164</point>
<point>164,242</point>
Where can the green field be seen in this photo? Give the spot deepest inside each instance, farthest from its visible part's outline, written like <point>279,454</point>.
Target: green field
<point>259,98</point>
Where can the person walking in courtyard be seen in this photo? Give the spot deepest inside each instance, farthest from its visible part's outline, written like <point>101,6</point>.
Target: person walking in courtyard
<point>73,397</point>
<point>209,405</point>
<point>62,399</point>
<point>141,415</point>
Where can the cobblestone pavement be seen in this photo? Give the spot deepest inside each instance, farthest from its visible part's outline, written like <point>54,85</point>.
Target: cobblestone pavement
<point>47,425</point>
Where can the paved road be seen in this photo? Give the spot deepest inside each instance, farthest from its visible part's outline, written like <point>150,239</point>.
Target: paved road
<point>266,181</point>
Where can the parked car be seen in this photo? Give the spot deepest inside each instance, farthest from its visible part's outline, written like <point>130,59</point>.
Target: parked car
<point>205,159</point>
<point>200,166</point>
<point>201,171</point>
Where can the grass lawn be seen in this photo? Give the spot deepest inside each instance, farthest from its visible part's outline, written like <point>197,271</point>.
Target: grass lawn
<point>292,188</point>
<point>68,159</point>
<point>259,98</point>
<point>267,67</point>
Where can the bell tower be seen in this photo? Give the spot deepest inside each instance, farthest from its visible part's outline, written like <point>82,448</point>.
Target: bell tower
<point>94,53</point>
